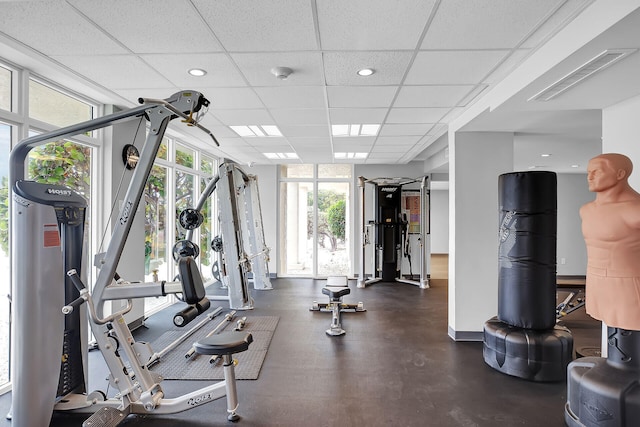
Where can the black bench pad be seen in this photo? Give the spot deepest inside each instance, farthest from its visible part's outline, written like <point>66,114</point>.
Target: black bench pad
<point>224,343</point>
<point>336,292</point>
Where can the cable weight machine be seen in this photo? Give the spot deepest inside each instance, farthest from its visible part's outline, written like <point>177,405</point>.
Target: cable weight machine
<point>391,230</point>
<point>50,299</point>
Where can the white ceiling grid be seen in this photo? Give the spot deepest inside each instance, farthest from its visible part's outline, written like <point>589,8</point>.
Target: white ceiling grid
<point>429,56</point>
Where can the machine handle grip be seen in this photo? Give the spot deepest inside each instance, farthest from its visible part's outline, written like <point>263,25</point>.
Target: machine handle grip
<point>68,309</point>
<point>75,279</point>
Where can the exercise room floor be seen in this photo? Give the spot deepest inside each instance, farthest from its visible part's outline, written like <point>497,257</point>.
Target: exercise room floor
<point>396,366</point>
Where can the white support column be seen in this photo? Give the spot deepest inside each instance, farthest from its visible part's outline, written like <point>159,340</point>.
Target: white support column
<point>476,161</point>
<point>620,132</point>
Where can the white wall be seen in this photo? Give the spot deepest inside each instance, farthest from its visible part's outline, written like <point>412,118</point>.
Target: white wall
<point>473,228</point>
<point>439,221</point>
<point>621,133</point>
<point>573,192</point>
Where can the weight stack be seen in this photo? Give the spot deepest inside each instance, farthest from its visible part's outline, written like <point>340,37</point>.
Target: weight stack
<point>523,339</point>
<point>606,392</point>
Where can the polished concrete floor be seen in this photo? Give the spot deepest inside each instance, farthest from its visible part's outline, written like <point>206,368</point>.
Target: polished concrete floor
<point>396,366</point>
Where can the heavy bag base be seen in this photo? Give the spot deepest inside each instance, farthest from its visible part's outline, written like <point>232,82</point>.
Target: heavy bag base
<point>534,355</point>
<point>600,394</point>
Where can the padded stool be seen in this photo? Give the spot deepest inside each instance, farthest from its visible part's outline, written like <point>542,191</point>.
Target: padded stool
<point>225,345</point>
<point>337,287</point>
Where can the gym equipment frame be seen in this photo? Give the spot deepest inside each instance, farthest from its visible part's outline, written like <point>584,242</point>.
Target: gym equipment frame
<point>242,231</point>
<point>387,253</point>
<point>46,245</point>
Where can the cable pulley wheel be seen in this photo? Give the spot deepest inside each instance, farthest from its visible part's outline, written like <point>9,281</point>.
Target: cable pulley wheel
<point>185,248</point>
<point>216,244</point>
<point>190,219</point>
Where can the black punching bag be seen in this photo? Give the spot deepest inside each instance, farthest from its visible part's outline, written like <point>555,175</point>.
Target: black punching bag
<point>527,249</point>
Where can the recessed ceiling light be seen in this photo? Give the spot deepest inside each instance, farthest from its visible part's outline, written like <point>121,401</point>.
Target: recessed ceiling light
<point>545,155</point>
<point>349,156</point>
<point>355,130</point>
<point>365,72</point>
<point>278,156</point>
<point>575,166</point>
<point>197,72</point>
<point>257,130</point>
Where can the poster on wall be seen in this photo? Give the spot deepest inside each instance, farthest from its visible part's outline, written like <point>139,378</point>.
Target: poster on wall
<point>411,209</point>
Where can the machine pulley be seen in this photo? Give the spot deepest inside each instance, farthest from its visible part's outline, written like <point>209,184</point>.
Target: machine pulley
<point>185,248</point>
<point>190,219</point>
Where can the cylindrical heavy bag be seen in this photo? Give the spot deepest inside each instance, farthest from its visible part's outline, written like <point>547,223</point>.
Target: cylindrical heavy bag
<point>527,249</point>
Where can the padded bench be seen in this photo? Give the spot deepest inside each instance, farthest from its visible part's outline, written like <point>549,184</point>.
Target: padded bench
<point>336,288</point>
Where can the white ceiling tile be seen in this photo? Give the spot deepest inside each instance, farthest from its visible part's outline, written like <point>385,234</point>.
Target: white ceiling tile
<point>116,71</point>
<point>220,70</point>
<point>397,140</point>
<point>357,115</point>
<point>485,24</point>
<point>54,28</point>
<point>266,141</point>
<point>232,98</point>
<point>390,149</point>
<point>567,9</point>
<point>310,142</point>
<point>431,96</point>
<point>416,115</point>
<point>453,67</point>
<point>132,95</point>
<point>154,32</point>
<point>292,96</point>
<point>243,117</point>
<point>291,131</point>
<point>256,67</point>
<point>404,129</point>
<point>260,25</point>
<point>273,148</point>
<point>354,140</point>
<point>510,63</point>
<point>360,96</point>
<point>352,147</point>
<point>367,25</point>
<point>315,157</point>
<point>341,67</point>
<point>300,116</point>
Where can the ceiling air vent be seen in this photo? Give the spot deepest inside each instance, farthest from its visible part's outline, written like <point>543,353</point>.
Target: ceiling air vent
<point>598,63</point>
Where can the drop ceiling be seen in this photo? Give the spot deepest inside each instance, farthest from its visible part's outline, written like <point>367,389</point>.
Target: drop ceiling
<point>433,59</point>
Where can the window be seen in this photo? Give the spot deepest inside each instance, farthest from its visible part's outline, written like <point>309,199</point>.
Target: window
<point>5,89</point>
<point>54,107</point>
<point>178,177</point>
<point>65,162</point>
<point>156,256</point>
<point>314,220</point>
<point>5,282</point>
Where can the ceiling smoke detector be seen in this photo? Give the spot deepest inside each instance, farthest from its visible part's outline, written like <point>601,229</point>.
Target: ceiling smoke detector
<point>281,72</point>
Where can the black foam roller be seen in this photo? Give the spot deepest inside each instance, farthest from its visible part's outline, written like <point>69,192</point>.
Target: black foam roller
<point>527,249</point>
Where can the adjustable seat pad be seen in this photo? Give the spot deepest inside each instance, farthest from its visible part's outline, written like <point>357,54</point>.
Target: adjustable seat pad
<point>224,343</point>
<point>335,292</point>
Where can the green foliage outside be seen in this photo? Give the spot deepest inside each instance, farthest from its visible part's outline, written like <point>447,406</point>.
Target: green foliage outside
<point>331,217</point>
<point>61,163</point>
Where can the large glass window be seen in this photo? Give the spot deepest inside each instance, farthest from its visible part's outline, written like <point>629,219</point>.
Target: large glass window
<point>65,162</point>
<point>156,256</point>
<point>5,278</point>
<point>314,220</point>
<point>54,107</point>
<point>5,89</point>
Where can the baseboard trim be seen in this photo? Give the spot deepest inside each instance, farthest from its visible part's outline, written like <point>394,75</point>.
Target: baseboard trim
<point>465,335</point>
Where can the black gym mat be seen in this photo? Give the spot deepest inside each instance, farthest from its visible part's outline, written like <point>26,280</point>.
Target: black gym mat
<point>174,366</point>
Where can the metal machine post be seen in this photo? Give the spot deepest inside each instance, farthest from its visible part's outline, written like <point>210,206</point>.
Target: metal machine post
<point>255,236</point>
<point>236,261</point>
